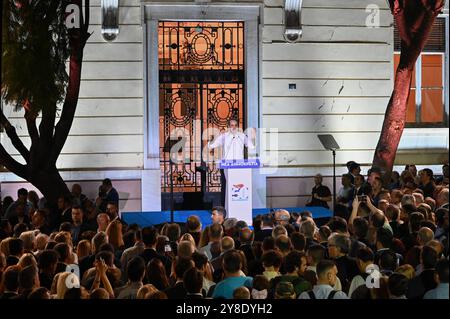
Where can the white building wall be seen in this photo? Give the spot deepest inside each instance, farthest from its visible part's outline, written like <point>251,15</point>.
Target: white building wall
<point>343,73</point>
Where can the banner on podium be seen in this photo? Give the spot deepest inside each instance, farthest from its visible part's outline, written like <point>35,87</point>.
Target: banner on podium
<point>236,164</point>
<point>239,192</point>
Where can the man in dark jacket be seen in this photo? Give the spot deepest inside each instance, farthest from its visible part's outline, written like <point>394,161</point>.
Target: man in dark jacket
<point>10,282</point>
<point>178,290</point>
<point>149,238</point>
<point>266,228</point>
<point>193,283</point>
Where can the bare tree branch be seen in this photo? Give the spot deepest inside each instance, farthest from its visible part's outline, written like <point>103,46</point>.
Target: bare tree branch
<point>409,55</point>
<point>11,164</point>
<point>15,139</point>
<point>86,19</point>
<point>51,12</point>
<point>397,9</point>
<point>30,119</point>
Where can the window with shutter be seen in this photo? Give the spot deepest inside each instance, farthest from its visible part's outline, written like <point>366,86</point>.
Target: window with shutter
<point>429,90</point>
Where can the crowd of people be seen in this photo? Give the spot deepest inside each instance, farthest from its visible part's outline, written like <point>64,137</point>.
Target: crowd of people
<point>383,242</point>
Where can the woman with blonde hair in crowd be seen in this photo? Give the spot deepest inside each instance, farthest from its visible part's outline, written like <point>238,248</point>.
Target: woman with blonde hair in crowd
<point>204,238</point>
<point>156,295</point>
<point>40,242</point>
<point>145,290</point>
<point>163,230</point>
<point>194,227</point>
<point>4,246</point>
<point>407,271</point>
<point>64,237</point>
<point>59,286</point>
<point>2,267</point>
<point>26,260</point>
<point>187,237</point>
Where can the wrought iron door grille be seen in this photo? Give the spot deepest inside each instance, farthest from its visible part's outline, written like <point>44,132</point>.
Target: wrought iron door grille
<point>201,45</point>
<point>201,69</point>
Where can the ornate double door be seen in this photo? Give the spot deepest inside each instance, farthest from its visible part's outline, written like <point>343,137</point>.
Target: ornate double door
<point>202,87</point>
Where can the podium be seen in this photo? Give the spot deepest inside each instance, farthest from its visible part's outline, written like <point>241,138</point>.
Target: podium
<point>238,194</point>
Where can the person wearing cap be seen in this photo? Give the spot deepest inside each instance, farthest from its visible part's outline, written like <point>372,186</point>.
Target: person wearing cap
<point>285,290</point>
<point>427,182</point>
<point>282,217</point>
<point>321,194</point>
<point>354,169</point>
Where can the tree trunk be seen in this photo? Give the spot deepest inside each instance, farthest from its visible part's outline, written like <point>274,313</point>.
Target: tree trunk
<point>393,125</point>
<point>414,19</point>
<point>51,185</point>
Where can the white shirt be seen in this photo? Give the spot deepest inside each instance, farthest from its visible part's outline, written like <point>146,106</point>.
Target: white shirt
<point>337,285</point>
<point>322,292</point>
<point>232,145</point>
<point>206,250</point>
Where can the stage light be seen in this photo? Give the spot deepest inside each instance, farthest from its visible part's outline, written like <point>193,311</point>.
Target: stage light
<point>110,19</point>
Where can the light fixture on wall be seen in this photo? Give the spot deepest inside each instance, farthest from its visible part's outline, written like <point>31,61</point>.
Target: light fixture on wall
<point>110,19</point>
<point>292,20</point>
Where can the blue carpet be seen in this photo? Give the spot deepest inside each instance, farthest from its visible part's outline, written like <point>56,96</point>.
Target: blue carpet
<point>154,218</point>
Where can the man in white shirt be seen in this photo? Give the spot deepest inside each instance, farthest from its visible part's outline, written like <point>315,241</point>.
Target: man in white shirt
<point>232,142</point>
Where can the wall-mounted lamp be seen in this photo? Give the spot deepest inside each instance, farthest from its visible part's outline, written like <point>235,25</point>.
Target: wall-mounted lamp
<point>110,19</point>
<point>292,20</point>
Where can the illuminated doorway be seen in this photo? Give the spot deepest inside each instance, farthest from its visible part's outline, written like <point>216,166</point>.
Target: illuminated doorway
<point>201,87</point>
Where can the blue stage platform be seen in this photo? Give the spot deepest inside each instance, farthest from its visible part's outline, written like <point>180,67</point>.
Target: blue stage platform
<point>154,218</point>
